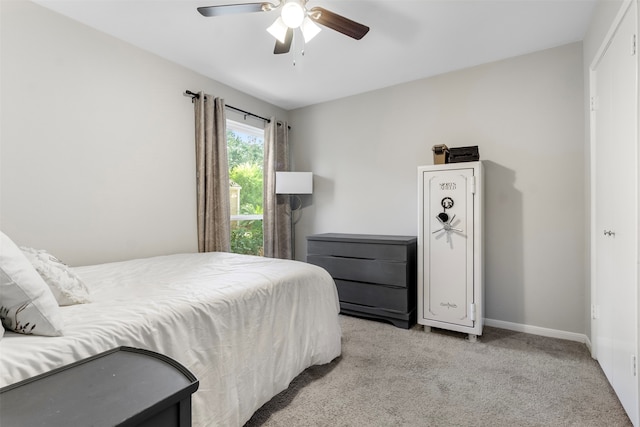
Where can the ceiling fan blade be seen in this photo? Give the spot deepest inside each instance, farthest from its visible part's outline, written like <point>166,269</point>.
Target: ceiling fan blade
<point>339,23</point>
<point>229,9</point>
<point>286,46</point>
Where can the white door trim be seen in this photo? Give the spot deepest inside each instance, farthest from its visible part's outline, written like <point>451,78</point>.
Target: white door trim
<point>626,4</point>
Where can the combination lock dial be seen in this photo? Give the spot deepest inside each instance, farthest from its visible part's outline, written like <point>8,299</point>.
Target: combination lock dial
<point>443,217</point>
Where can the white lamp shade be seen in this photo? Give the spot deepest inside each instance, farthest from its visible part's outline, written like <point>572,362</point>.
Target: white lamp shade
<point>294,182</point>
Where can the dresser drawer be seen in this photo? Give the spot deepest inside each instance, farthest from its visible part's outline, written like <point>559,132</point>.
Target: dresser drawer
<point>358,250</point>
<point>395,299</point>
<point>363,270</point>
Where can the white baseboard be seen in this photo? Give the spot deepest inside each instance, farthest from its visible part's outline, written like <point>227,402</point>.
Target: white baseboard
<point>587,342</point>
<point>536,330</point>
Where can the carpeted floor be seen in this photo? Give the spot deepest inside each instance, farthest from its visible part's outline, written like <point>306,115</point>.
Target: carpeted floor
<point>388,376</point>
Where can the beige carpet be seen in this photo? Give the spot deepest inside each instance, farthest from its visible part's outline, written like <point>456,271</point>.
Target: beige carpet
<point>388,376</point>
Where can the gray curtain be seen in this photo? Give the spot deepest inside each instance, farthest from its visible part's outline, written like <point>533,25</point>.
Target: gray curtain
<point>212,174</point>
<point>276,219</point>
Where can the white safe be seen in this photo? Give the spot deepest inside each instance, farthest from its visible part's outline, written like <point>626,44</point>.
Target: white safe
<point>450,273</point>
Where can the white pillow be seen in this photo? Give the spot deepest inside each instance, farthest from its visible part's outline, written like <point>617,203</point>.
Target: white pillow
<point>27,305</point>
<point>65,285</point>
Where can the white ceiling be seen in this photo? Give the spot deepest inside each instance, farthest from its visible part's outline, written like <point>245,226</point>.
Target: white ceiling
<point>408,40</point>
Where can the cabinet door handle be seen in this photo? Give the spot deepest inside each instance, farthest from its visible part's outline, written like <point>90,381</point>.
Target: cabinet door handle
<point>609,233</point>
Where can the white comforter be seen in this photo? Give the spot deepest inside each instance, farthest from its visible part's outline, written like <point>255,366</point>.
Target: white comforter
<point>244,326</point>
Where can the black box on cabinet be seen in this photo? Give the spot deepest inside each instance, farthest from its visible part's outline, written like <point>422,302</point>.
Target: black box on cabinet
<point>464,154</point>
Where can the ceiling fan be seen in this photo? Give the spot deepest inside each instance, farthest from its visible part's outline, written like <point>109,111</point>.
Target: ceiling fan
<point>294,14</point>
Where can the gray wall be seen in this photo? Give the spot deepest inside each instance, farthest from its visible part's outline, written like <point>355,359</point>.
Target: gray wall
<point>526,116</point>
<point>97,163</point>
<point>97,159</point>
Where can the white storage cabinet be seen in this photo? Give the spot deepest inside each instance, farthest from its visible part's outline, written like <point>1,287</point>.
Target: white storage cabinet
<point>450,273</point>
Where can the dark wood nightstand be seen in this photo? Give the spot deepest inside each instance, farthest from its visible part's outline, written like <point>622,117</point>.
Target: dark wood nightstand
<point>121,387</point>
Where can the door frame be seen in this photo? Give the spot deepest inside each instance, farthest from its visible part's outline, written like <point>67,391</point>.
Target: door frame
<point>626,4</point>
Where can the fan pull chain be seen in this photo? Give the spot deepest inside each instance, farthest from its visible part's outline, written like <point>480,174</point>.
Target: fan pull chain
<point>294,48</point>
<point>298,36</point>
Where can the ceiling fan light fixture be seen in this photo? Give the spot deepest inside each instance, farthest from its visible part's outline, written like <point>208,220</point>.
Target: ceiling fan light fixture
<point>309,29</point>
<point>278,29</point>
<point>293,13</point>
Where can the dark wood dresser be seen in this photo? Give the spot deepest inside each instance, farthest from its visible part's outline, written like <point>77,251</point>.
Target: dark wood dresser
<point>120,387</point>
<point>375,274</point>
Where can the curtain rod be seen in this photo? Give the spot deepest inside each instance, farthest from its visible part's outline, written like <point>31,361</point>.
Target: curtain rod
<point>195,95</point>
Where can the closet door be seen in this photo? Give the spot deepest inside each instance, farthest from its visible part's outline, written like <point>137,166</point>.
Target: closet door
<point>616,214</point>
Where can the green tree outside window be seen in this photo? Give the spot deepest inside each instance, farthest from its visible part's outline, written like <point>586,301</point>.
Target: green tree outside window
<point>246,160</point>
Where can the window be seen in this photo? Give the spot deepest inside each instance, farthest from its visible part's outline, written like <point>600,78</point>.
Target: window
<point>245,145</point>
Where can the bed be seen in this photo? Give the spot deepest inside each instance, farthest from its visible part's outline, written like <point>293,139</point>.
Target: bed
<point>245,326</point>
